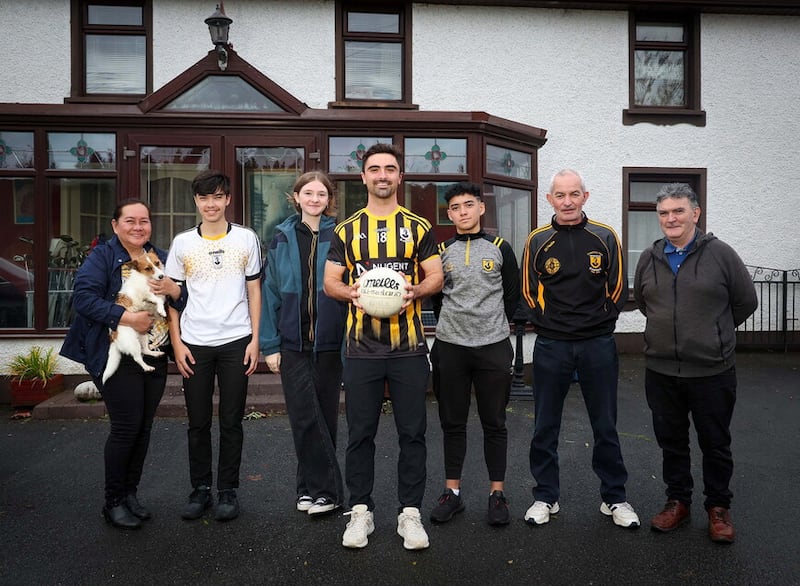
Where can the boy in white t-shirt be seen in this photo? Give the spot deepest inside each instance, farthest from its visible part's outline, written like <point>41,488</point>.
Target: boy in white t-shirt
<point>215,335</point>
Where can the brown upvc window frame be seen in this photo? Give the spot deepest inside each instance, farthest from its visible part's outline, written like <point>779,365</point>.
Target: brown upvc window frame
<point>695,177</point>
<point>691,112</point>
<point>80,29</point>
<point>343,35</point>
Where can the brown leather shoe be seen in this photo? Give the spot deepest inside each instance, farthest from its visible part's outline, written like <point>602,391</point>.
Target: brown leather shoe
<point>674,515</point>
<point>720,525</point>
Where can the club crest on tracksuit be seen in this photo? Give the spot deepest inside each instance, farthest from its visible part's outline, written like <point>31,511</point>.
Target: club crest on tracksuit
<point>595,262</point>
<point>552,266</point>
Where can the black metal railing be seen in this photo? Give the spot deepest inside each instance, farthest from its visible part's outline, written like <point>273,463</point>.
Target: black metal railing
<point>776,322</point>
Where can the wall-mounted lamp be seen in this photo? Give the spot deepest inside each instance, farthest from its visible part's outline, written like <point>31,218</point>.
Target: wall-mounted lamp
<point>219,25</point>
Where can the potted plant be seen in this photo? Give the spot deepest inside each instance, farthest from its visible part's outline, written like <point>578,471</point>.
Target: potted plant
<point>33,377</point>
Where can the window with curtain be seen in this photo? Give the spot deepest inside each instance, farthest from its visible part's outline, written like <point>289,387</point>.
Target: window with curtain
<point>112,48</point>
<point>373,53</point>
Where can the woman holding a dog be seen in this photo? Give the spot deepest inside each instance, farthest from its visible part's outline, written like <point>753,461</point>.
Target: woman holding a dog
<point>301,337</point>
<point>131,395</point>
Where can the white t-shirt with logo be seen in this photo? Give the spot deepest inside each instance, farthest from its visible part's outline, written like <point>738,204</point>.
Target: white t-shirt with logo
<point>215,272</point>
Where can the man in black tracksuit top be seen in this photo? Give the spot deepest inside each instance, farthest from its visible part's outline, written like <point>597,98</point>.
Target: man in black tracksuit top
<point>472,347</point>
<point>574,285</point>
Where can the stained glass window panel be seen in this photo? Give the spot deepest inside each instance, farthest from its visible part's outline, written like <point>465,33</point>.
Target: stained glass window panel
<point>345,152</point>
<point>81,150</point>
<point>436,155</point>
<point>508,162</point>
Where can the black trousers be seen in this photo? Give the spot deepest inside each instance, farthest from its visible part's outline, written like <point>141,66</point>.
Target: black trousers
<point>226,363</point>
<point>456,369</point>
<point>131,397</point>
<point>312,384</point>
<point>710,401</point>
<point>365,382</point>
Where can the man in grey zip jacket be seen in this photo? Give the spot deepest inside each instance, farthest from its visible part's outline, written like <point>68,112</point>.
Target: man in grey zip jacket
<point>694,290</point>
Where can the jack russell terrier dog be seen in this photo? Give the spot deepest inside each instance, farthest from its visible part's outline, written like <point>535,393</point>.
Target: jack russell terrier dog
<point>135,295</point>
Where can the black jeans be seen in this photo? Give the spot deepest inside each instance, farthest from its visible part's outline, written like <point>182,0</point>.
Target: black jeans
<point>710,400</point>
<point>455,370</point>
<point>312,384</point>
<point>226,363</point>
<point>364,384</point>
<point>131,397</point>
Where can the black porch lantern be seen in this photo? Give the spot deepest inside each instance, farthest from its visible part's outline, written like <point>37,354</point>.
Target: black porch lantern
<point>219,25</point>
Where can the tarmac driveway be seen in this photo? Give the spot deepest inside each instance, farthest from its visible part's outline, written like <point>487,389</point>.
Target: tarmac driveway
<point>52,532</point>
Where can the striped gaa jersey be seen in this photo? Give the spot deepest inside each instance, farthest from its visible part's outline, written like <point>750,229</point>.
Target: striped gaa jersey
<point>399,241</point>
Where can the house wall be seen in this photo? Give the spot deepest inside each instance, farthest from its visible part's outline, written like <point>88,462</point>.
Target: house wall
<point>562,70</point>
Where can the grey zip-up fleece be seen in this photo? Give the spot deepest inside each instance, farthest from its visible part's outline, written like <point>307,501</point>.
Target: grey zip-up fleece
<point>480,292</point>
<point>692,315</point>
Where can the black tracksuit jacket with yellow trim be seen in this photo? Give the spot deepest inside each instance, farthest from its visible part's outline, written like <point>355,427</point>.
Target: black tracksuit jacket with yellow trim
<point>573,280</point>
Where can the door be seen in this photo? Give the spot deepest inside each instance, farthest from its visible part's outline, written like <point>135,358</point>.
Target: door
<point>160,170</point>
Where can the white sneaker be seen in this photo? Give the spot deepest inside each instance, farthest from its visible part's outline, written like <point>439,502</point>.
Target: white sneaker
<point>409,527</point>
<point>304,503</point>
<point>540,511</point>
<point>622,513</point>
<point>360,526</point>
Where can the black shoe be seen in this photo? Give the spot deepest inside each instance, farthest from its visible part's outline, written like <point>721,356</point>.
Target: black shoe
<point>322,505</point>
<point>227,505</point>
<point>449,504</point>
<point>498,509</point>
<point>119,516</point>
<point>135,507</point>
<point>199,501</point>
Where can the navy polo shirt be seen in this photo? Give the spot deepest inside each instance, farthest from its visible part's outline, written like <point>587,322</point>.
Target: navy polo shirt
<point>675,255</point>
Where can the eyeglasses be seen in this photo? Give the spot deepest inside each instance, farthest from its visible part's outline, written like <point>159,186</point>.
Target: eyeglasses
<point>467,205</point>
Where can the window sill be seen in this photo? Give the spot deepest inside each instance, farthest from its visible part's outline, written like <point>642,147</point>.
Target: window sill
<point>663,116</point>
<point>377,104</point>
<point>103,99</point>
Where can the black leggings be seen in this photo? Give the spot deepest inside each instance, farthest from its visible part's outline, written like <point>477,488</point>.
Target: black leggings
<point>131,397</point>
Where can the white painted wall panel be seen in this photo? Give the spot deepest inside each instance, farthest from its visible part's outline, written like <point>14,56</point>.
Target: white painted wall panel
<point>290,42</point>
<point>36,51</point>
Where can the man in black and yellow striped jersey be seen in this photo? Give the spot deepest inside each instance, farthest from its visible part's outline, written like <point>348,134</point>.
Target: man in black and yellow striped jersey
<point>385,352</point>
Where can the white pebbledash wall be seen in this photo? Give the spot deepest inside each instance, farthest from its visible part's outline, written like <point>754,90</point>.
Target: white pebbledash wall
<point>562,70</point>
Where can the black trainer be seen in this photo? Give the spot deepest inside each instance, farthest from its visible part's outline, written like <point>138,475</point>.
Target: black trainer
<point>227,505</point>
<point>199,501</point>
<point>449,504</point>
<point>498,509</point>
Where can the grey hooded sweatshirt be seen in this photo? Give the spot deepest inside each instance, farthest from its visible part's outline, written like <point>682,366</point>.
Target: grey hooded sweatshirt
<point>692,315</point>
